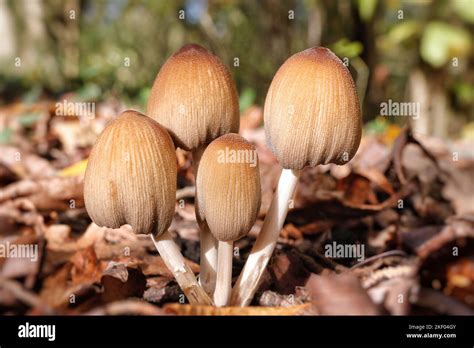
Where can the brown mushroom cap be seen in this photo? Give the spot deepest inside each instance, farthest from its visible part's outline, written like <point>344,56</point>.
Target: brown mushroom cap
<point>228,187</point>
<point>131,175</point>
<point>312,113</point>
<point>194,97</point>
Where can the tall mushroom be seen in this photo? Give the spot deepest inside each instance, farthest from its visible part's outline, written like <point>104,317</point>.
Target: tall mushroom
<point>195,98</point>
<point>312,116</point>
<point>131,179</point>
<point>228,189</point>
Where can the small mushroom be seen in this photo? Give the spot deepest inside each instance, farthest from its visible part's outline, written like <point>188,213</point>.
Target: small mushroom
<point>131,179</point>
<point>195,98</point>
<point>228,189</point>
<point>312,116</point>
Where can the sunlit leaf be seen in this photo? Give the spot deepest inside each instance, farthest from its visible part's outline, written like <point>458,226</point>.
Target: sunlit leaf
<point>465,9</point>
<point>441,42</point>
<point>346,48</point>
<point>366,9</point>
<point>464,92</point>
<point>403,31</point>
<point>76,169</point>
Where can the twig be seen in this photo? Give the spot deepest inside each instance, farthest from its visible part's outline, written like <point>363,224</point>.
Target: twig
<point>185,192</point>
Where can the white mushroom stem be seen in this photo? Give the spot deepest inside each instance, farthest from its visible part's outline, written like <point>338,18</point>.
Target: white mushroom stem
<point>248,282</point>
<point>208,251</point>
<point>208,255</point>
<point>224,274</point>
<point>174,260</point>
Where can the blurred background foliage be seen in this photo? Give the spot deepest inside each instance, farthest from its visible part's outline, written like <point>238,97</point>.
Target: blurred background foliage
<point>400,50</point>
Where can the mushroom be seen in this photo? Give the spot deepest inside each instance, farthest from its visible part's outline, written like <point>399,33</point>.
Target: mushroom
<point>195,98</point>
<point>131,179</point>
<point>312,116</point>
<point>229,194</point>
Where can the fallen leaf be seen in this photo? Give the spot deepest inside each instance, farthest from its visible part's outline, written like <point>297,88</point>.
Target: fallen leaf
<point>86,268</point>
<point>340,295</point>
<point>121,282</point>
<point>287,271</point>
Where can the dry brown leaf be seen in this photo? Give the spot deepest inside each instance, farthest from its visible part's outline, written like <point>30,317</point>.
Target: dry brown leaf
<point>458,229</point>
<point>161,290</point>
<point>459,187</point>
<point>86,268</point>
<point>120,282</point>
<point>25,165</point>
<point>460,280</point>
<point>54,193</point>
<point>287,271</point>
<point>340,295</point>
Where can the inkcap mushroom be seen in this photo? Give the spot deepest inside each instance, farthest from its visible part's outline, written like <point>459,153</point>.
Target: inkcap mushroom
<point>228,189</point>
<point>195,98</point>
<point>312,116</point>
<point>131,179</point>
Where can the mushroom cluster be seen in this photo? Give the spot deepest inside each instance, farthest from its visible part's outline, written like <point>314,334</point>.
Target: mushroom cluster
<point>312,116</point>
<point>195,98</point>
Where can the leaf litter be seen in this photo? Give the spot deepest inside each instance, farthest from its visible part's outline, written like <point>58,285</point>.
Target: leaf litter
<point>407,205</point>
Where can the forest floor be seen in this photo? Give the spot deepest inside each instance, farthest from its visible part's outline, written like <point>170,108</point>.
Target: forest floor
<point>404,206</point>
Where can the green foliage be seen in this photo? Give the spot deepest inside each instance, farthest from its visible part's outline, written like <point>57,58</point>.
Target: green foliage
<point>464,92</point>
<point>88,92</point>
<point>403,31</point>
<point>6,135</point>
<point>441,42</point>
<point>366,9</point>
<point>346,48</point>
<point>32,95</point>
<point>114,48</point>
<point>464,9</point>
<point>247,98</point>
<point>29,118</point>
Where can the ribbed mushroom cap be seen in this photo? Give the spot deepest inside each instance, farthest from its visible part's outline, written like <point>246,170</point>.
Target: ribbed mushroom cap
<point>228,187</point>
<point>194,97</point>
<point>131,175</point>
<point>312,113</point>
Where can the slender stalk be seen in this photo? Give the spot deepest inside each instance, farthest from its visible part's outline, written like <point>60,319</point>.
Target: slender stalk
<point>224,274</point>
<point>183,274</point>
<point>248,282</point>
<point>208,251</point>
<point>208,255</point>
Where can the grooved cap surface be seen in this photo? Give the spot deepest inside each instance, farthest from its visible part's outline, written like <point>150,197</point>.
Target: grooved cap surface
<point>312,113</point>
<point>131,175</point>
<point>194,97</point>
<point>228,187</point>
